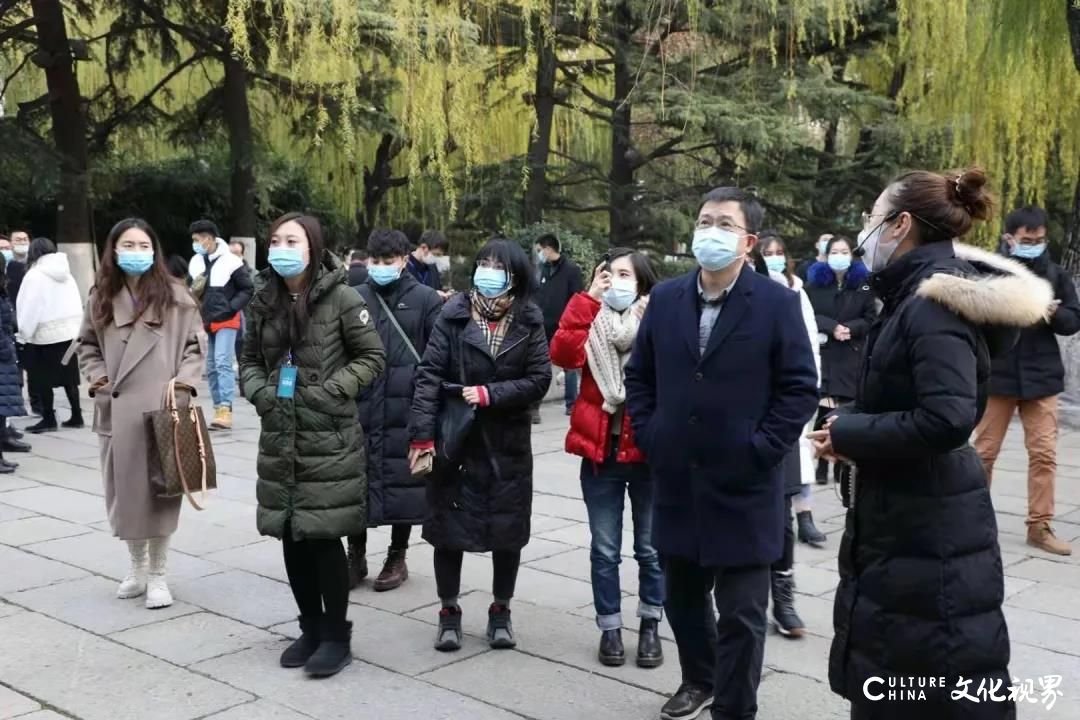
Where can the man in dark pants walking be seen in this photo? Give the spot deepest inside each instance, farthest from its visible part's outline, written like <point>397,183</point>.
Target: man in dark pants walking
<point>559,280</point>
<point>718,388</point>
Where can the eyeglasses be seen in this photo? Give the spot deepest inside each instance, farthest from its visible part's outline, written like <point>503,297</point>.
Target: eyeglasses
<point>707,222</point>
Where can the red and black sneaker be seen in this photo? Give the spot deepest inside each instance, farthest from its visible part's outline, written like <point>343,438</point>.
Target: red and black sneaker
<point>448,639</point>
<point>500,631</point>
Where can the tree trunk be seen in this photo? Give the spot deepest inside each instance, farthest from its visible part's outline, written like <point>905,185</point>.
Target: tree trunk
<point>241,149</point>
<point>73,227</point>
<point>540,142</point>
<point>1071,256</point>
<point>623,227</point>
<point>377,183</point>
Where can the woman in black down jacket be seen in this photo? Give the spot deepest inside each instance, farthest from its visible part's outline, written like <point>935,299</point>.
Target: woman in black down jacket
<point>844,308</point>
<point>484,502</point>
<point>11,396</point>
<point>921,583</point>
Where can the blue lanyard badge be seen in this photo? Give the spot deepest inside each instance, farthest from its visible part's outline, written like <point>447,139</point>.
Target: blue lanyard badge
<point>287,379</point>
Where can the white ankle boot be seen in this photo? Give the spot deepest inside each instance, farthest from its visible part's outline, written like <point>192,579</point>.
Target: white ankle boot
<point>157,590</point>
<point>134,584</point>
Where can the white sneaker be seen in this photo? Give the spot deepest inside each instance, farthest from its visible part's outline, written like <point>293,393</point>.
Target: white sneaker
<point>134,584</point>
<point>157,593</point>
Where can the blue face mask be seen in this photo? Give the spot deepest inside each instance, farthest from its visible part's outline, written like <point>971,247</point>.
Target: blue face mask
<point>198,248</point>
<point>714,248</point>
<point>491,282</point>
<point>1028,252</point>
<point>287,262</point>
<point>135,262</point>
<point>384,274</point>
<point>8,255</point>
<point>839,263</point>
<point>776,263</point>
<point>621,294</point>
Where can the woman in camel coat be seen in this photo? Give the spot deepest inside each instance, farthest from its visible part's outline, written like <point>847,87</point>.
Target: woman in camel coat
<point>129,357</point>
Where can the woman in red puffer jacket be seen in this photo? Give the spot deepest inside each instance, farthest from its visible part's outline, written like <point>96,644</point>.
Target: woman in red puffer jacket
<point>596,333</point>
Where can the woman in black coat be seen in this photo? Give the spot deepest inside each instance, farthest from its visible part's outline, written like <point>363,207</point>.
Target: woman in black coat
<point>844,308</point>
<point>11,396</point>
<point>494,336</point>
<point>921,582</point>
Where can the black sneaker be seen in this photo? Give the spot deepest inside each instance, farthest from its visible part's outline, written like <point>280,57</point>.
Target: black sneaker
<point>687,702</point>
<point>301,650</point>
<point>500,631</point>
<point>448,638</point>
<point>334,653</point>
<point>611,652</point>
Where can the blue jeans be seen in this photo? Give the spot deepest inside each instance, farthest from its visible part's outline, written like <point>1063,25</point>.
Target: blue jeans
<point>571,386</point>
<point>221,353</point>
<point>604,489</point>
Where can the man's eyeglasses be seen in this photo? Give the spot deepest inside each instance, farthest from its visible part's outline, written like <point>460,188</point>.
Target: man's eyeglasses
<point>706,222</point>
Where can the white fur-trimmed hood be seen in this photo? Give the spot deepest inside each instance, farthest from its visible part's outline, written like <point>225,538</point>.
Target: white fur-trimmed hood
<point>1011,295</point>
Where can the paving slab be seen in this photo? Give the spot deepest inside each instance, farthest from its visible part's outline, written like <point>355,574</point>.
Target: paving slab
<point>44,715</point>
<point>804,656</point>
<point>13,704</point>
<point>1049,632</point>
<point>192,638</point>
<point>417,592</point>
<point>815,580</point>
<point>574,563</point>
<point>794,697</point>
<point>1051,571</point>
<point>15,482</point>
<point>240,595</point>
<point>36,529</point>
<point>1032,663</point>
<point>91,678</point>
<point>259,710</point>
<point>103,554</point>
<point>8,513</point>
<point>546,690</point>
<point>540,524</point>
<point>8,609</point>
<point>91,603</point>
<point>199,537</point>
<point>52,470</point>
<point>23,571</point>
<point>1049,599</point>
<point>559,507</point>
<point>71,505</point>
<point>262,558</point>
<point>360,691</point>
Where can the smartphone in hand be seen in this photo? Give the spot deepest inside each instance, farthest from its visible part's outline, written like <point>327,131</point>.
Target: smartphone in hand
<point>424,465</point>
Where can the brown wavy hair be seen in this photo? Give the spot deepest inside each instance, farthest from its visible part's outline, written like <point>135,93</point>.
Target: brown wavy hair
<point>155,288</point>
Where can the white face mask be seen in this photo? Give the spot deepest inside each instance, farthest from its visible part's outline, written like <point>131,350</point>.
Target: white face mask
<point>876,251</point>
<point>442,264</point>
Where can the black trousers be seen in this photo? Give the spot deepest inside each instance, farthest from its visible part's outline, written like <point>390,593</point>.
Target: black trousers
<point>319,577</point>
<point>504,563</point>
<point>399,538</point>
<point>725,651</point>
<point>787,560</point>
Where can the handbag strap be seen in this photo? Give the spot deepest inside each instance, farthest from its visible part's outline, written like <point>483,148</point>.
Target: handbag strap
<point>196,422</point>
<point>394,322</point>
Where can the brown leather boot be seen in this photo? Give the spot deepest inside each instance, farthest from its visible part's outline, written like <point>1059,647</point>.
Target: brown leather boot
<point>358,569</point>
<point>1042,537</point>
<point>394,571</point>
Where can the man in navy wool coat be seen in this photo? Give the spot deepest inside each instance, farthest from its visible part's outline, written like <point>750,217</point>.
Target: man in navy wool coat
<point>719,386</point>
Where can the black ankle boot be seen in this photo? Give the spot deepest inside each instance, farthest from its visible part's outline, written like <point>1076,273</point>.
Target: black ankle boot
<point>822,474</point>
<point>6,468</point>
<point>358,569</point>
<point>335,650</point>
<point>808,532</point>
<point>788,623</point>
<point>301,650</point>
<point>75,422</point>
<point>47,424</point>
<point>12,444</point>
<point>611,653</point>
<point>650,653</point>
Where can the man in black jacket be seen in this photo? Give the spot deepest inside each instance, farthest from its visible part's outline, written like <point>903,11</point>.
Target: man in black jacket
<point>429,253</point>
<point>1030,378</point>
<point>358,273</point>
<point>404,312</point>
<point>560,280</point>
<point>224,286</point>
<point>16,270</point>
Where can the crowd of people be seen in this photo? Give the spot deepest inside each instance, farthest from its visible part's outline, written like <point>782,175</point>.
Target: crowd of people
<point>715,401</point>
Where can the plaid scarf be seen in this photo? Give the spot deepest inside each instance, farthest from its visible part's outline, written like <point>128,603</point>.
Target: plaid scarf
<point>493,317</point>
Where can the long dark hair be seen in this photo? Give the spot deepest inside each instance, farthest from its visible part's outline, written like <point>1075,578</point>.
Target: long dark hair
<point>513,258</point>
<point>155,286</point>
<point>767,238</point>
<point>39,248</point>
<point>298,312</point>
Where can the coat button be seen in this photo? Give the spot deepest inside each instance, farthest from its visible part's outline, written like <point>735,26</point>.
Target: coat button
<point>699,377</point>
<point>116,394</point>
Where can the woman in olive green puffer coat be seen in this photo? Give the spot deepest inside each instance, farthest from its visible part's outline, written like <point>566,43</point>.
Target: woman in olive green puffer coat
<point>311,489</point>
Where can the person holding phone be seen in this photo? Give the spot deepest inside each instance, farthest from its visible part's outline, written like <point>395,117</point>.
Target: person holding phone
<point>488,345</point>
<point>595,335</point>
<point>310,349</point>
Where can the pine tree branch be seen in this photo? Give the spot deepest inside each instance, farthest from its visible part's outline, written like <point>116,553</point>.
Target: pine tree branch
<point>16,32</point>
<point>16,71</point>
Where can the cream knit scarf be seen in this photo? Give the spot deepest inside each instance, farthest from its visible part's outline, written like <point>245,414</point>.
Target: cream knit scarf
<point>608,348</point>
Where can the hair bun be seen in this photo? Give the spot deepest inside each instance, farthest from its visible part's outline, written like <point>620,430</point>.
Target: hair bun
<point>969,192</point>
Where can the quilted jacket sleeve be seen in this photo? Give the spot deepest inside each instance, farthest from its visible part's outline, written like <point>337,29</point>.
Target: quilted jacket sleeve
<point>427,384</point>
<point>364,349</point>
<point>533,385</point>
<point>568,343</point>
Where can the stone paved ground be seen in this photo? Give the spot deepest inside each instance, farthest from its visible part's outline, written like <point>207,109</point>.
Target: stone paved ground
<point>68,648</point>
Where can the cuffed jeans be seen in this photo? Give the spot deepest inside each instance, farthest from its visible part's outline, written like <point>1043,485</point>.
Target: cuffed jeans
<point>604,489</point>
<point>1040,420</point>
<point>220,372</point>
